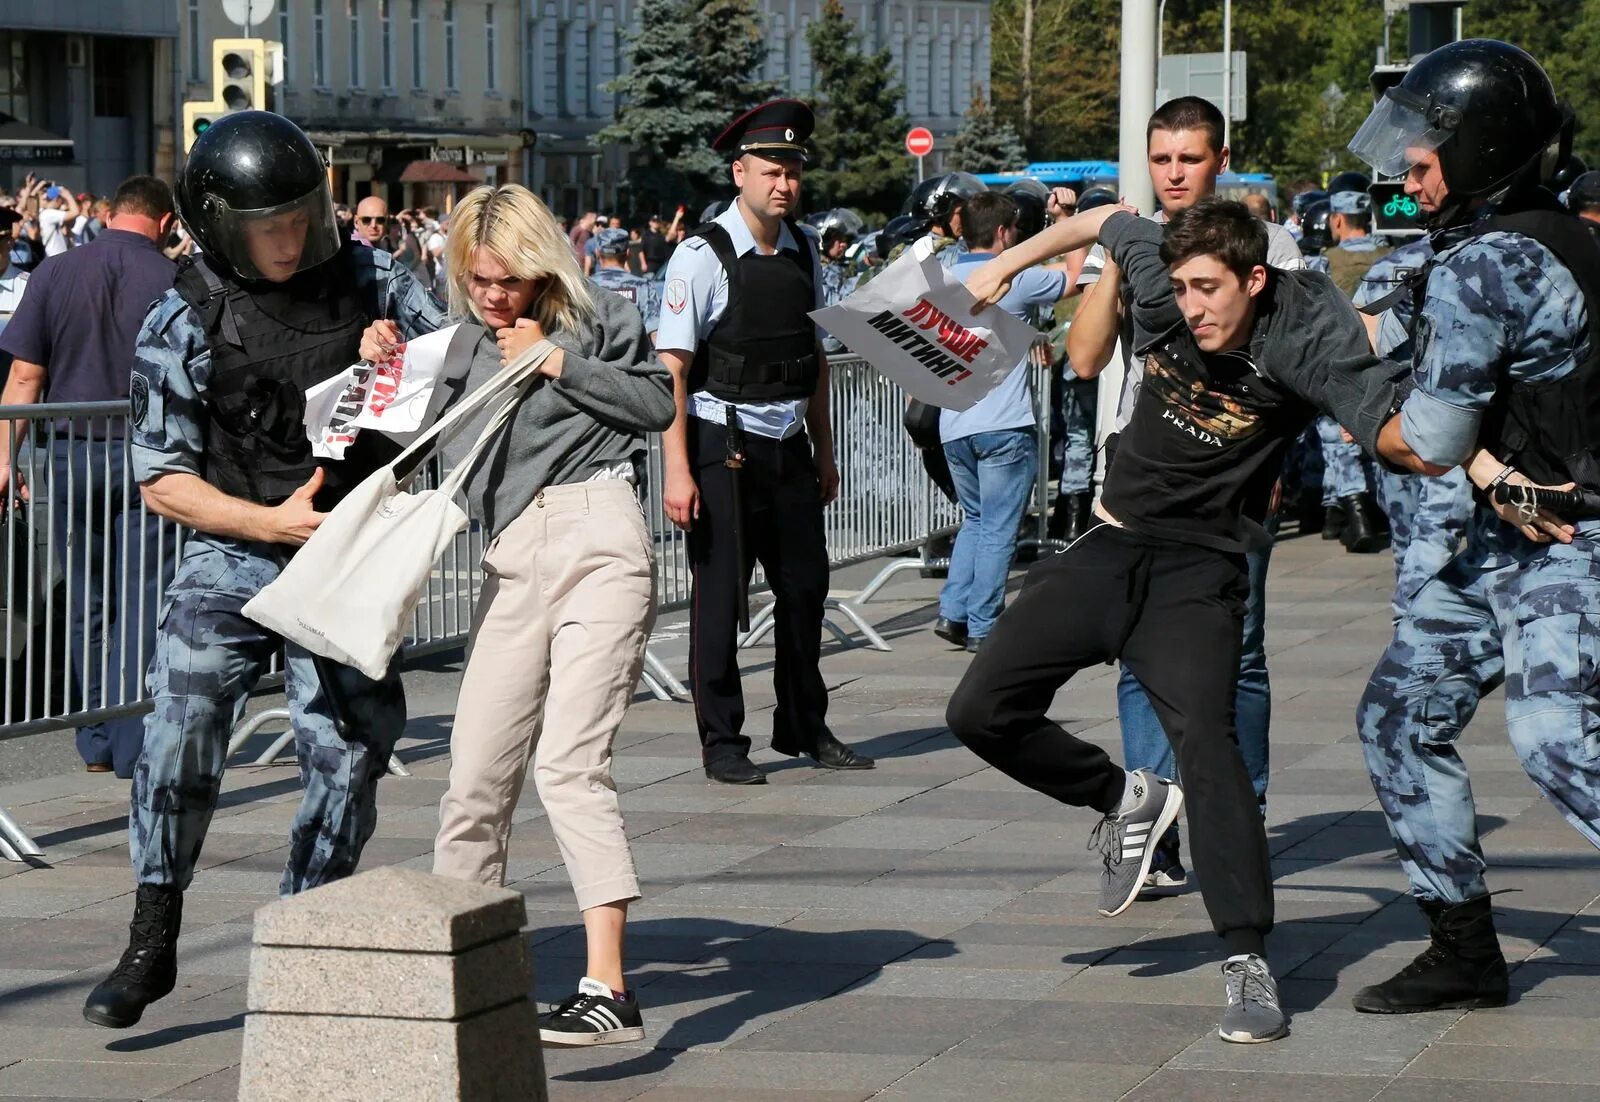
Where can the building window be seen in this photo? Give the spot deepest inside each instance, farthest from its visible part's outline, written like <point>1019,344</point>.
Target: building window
<point>419,47</point>
<point>283,40</point>
<point>319,44</point>
<point>114,60</point>
<point>13,77</point>
<point>353,9</point>
<point>450,45</point>
<point>489,81</point>
<point>194,40</point>
<point>386,33</point>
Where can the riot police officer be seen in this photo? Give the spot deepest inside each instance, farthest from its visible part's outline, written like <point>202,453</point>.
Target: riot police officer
<point>613,275</point>
<point>1503,355</point>
<point>274,304</point>
<point>749,458</point>
<point>837,229</point>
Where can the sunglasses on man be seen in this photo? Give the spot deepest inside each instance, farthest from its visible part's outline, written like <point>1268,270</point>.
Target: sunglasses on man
<point>370,219</point>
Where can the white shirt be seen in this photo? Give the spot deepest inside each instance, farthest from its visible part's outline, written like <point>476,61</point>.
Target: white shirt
<point>53,232</point>
<point>694,295</point>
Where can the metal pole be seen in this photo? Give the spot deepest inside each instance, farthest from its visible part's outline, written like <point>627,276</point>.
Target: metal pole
<point>1138,101</point>
<point>919,168</point>
<point>1161,32</point>
<point>1227,71</point>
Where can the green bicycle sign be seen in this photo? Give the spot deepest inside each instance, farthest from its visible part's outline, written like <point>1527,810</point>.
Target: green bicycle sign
<point>1401,206</point>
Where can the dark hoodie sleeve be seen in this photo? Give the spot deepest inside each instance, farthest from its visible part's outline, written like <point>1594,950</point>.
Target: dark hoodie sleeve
<point>1316,346</point>
<point>1135,244</point>
<point>617,378</point>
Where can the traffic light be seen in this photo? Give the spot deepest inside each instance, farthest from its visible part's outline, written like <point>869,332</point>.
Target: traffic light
<point>1394,213</point>
<point>241,80</point>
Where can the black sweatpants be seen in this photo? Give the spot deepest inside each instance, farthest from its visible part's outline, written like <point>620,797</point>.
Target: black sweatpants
<point>1174,614</point>
<point>783,530</point>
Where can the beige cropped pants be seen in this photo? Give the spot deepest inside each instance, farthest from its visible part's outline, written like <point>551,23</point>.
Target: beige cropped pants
<point>556,648</point>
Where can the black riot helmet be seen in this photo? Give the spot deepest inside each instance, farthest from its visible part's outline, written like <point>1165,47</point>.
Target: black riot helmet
<point>1570,168</point>
<point>1349,181</point>
<point>1098,196</point>
<point>1487,108</point>
<point>1304,201</point>
<point>1033,204</point>
<point>938,197</point>
<point>838,224</point>
<point>254,195</point>
<point>901,230</point>
<point>1315,233</point>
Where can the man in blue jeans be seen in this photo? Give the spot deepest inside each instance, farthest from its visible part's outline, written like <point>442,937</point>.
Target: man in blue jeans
<point>992,448</point>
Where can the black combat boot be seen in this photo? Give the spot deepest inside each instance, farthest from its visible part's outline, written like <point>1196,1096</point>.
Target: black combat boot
<point>1333,522</point>
<point>1363,525</point>
<point>1462,968</point>
<point>1080,516</point>
<point>148,969</point>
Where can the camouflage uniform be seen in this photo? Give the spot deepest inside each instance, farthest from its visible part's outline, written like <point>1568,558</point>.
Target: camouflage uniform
<point>1504,611</point>
<point>208,656</point>
<point>947,249</point>
<point>1344,471</point>
<point>838,280</point>
<point>1427,516</point>
<point>643,292</point>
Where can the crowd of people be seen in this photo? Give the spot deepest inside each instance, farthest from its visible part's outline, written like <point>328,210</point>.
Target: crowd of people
<point>1448,380</point>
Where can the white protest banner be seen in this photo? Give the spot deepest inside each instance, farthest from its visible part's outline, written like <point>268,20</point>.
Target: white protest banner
<point>391,396</point>
<point>914,323</point>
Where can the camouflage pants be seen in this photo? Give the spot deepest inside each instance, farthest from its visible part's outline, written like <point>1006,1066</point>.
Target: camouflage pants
<point>1344,471</point>
<point>1427,521</point>
<point>1528,620</point>
<point>208,657</point>
<point>1079,402</point>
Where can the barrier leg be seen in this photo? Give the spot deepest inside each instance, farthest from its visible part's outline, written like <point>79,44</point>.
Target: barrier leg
<point>15,845</point>
<point>874,640</point>
<point>279,745</point>
<point>759,627</point>
<point>870,590</point>
<point>660,679</point>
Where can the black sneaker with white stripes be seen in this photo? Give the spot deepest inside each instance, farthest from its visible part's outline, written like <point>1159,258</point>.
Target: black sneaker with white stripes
<point>594,1016</point>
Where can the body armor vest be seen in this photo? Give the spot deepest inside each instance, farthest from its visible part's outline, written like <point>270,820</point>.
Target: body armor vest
<point>269,343</point>
<point>764,346</point>
<point>1348,267</point>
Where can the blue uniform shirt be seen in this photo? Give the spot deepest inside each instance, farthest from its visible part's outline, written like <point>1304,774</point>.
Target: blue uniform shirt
<point>172,365</point>
<point>1498,306</point>
<point>695,293</point>
<point>643,293</point>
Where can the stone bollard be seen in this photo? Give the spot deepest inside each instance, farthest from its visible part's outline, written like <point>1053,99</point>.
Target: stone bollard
<point>393,984</point>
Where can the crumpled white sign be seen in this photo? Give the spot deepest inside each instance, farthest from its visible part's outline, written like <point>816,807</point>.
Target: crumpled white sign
<point>391,396</point>
<point>914,323</point>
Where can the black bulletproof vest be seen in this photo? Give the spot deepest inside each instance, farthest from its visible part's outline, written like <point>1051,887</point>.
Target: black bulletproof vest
<point>1551,431</point>
<point>764,346</point>
<point>269,343</point>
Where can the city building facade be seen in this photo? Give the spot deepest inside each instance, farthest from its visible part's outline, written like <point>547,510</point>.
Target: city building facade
<point>86,90</point>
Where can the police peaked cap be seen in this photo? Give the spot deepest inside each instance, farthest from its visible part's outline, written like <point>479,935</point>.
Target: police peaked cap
<point>776,131</point>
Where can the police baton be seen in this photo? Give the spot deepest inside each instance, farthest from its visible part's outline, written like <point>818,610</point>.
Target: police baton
<point>735,463</point>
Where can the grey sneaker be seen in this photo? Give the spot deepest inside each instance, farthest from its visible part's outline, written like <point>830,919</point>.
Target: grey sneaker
<point>1253,1013</point>
<point>1127,843</point>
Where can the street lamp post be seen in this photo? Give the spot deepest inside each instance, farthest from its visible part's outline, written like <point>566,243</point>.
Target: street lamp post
<point>1227,71</point>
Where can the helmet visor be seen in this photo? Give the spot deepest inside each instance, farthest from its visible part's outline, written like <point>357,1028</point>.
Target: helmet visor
<point>274,242</point>
<point>1396,135</point>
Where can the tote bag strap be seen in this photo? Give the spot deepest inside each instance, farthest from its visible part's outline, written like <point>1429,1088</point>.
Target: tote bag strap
<point>462,471</point>
<point>519,371</point>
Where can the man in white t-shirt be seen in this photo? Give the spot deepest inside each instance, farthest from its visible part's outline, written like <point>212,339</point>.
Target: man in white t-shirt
<point>1186,154</point>
<point>57,213</point>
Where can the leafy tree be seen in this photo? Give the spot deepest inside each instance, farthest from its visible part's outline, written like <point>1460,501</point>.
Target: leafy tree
<point>1054,69</point>
<point>986,143</point>
<point>691,68</point>
<point>860,134</point>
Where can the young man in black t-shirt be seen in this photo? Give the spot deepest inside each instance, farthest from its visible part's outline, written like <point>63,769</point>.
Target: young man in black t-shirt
<point>1238,358</point>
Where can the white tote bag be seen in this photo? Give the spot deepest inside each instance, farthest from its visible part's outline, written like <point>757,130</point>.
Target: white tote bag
<point>349,592</point>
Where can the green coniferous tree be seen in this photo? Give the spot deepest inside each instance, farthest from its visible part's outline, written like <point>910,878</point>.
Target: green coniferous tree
<point>986,143</point>
<point>860,139</point>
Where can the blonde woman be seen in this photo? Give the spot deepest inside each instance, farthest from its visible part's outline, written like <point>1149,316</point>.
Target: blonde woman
<point>569,590</point>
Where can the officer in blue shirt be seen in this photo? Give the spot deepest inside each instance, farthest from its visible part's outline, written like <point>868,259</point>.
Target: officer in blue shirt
<point>749,459</point>
<point>613,275</point>
<point>276,303</point>
<point>1504,363</point>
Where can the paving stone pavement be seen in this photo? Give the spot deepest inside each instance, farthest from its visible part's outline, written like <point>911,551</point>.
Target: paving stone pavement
<point>924,932</point>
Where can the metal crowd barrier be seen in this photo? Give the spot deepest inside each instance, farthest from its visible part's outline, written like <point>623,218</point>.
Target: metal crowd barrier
<point>888,506</point>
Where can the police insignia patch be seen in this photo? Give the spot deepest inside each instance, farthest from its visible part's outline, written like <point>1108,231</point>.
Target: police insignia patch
<point>1421,336</point>
<point>677,296</point>
<point>138,398</point>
